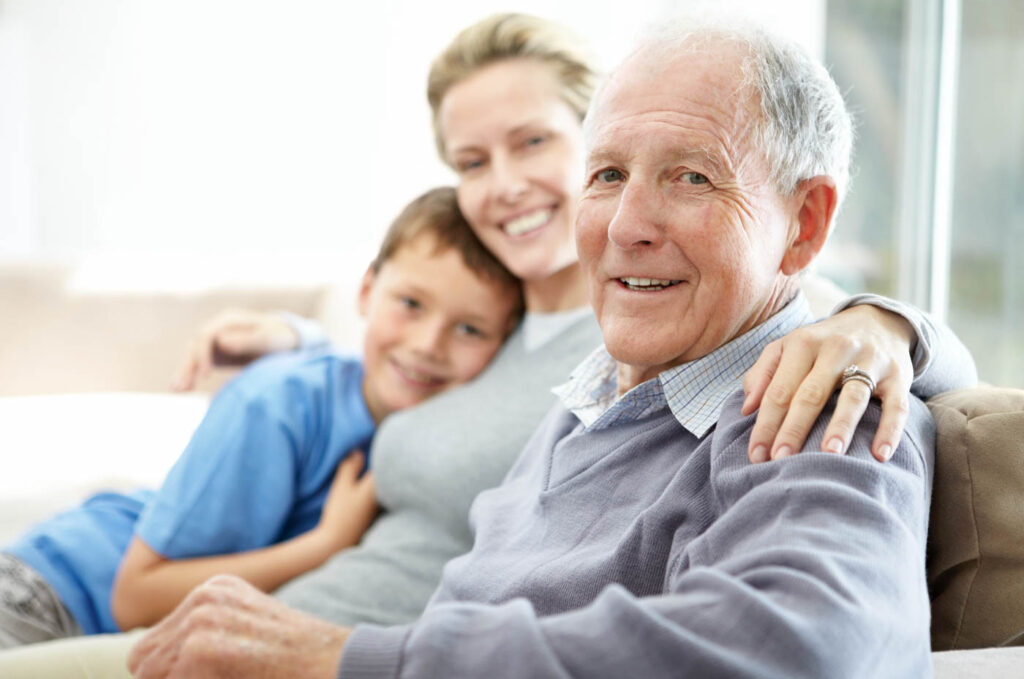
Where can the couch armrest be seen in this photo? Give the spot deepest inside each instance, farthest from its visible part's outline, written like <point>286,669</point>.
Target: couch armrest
<point>976,537</point>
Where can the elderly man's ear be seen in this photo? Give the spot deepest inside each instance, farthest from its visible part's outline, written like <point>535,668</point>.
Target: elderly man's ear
<point>815,206</point>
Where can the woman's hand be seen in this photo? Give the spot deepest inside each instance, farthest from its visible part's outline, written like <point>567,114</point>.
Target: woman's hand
<point>351,503</point>
<point>237,335</point>
<point>796,375</point>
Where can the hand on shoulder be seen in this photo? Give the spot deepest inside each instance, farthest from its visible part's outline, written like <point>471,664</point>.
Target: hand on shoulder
<point>233,336</point>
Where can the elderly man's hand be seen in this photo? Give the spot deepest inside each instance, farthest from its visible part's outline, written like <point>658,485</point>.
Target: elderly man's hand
<point>235,335</point>
<point>796,375</point>
<point>227,628</point>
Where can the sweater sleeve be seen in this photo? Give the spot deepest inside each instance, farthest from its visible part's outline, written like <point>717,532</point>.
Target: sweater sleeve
<point>941,361</point>
<point>814,566</point>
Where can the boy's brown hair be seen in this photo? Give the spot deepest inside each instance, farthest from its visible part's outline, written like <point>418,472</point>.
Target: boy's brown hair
<point>437,213</point>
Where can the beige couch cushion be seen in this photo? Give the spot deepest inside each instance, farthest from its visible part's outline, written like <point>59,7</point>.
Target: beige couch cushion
<point>58,338</point>
<point>976,538</point>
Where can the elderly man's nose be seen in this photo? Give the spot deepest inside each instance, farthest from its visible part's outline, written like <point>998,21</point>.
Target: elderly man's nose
<point>635,221</point>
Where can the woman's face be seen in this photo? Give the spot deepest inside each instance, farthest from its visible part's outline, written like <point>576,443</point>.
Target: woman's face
<point>518,150</point>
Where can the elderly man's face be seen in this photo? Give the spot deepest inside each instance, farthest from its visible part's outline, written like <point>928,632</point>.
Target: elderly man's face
<point>680,231</point>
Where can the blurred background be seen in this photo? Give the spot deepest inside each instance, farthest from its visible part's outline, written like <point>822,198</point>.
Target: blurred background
<point>156,147</point>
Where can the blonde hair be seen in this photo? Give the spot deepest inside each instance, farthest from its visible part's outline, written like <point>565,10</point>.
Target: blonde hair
<point>501,37</point>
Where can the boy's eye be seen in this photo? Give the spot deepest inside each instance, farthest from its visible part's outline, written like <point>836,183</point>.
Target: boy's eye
<point>469,330</point>
<point>410,303</point>
<point>535,140</point>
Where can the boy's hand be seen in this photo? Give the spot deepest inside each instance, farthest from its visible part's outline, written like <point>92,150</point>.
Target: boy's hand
<point>351,503</point>
<point>236,335</point>
<point>796,375</point>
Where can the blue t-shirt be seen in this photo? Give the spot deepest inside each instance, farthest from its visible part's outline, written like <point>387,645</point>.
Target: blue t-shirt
<point>255,473</point>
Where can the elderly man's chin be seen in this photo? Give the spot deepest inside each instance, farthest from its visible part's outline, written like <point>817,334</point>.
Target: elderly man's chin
<point>644,347</point>
<point>646,337</point>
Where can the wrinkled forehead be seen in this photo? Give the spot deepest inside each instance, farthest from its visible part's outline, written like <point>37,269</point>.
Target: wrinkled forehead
<point>698,81</point>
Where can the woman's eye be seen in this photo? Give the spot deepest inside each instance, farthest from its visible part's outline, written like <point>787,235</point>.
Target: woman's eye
<point>468,165</point>
<point>535,140</point>
<point>609,176</point>
<point>695,178</point>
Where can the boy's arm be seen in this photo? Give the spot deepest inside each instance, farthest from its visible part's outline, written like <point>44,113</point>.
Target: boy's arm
<point>149,586</point>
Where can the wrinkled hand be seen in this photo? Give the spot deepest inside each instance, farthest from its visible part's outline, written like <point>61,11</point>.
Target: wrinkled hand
<point>796,375</point>
<point>351,503</point>
<point>238,335</point>
<point>227,628</point>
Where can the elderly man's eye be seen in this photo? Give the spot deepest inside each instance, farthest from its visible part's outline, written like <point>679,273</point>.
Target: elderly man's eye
<point>609,176</point>
<point>695,178</point>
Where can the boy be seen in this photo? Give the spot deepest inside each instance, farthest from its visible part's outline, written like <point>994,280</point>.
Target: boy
<point>266,488</point>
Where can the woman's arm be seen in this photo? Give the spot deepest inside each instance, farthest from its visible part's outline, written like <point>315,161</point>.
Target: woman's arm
<point>241,335</point>
<point>899,346</point>
<point>149,586</point>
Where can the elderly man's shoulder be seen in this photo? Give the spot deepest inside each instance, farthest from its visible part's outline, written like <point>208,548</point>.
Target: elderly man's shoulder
<point>915,453</point>
<point>876,503</point>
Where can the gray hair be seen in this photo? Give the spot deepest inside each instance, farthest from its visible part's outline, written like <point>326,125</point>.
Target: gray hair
<point>805,129</point>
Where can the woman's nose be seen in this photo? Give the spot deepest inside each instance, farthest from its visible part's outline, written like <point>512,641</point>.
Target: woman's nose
<point>508,182</point>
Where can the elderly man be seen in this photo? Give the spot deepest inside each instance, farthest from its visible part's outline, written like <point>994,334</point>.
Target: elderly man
<point>634,537</point>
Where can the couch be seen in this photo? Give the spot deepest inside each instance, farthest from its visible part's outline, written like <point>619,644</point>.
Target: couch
<point>84,406</point>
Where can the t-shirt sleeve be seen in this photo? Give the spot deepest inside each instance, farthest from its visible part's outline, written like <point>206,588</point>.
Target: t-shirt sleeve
<point>234,486</point>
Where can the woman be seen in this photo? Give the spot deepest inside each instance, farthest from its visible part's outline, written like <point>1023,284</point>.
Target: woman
<point>508,97</point>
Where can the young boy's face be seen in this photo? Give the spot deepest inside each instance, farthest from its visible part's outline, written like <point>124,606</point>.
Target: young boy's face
<point>432,323</point>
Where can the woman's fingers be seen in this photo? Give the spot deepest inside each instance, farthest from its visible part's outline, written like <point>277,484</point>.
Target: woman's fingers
<point>760,375</point>
<point>779,397</point>
<point>895,408</point>
<point>792,381</point>
<point>237,335</point>
<point>850,406</point>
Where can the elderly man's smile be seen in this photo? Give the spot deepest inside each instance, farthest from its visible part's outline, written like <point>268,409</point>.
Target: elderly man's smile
<point>647,284</point>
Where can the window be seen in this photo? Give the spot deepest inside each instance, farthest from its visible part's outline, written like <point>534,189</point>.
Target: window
<point>936,214</point>
<point>295,131</point>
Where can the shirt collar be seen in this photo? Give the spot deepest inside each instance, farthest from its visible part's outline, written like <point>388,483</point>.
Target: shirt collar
<point>695,392</point>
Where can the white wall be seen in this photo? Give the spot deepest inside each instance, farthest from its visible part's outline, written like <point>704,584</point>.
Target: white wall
<point>291,131</point>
